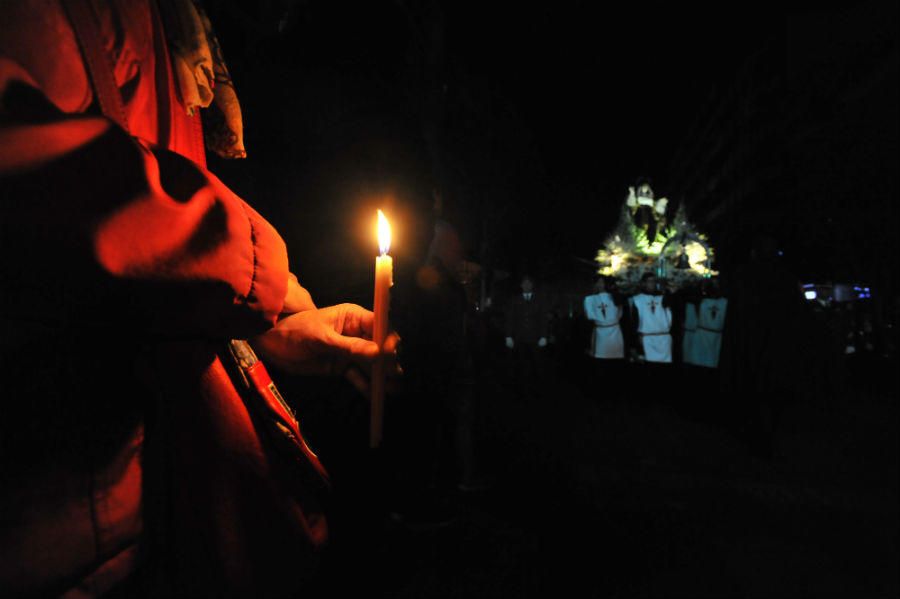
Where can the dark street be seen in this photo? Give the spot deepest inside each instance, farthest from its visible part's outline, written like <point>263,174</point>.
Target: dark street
<point>602,495</point>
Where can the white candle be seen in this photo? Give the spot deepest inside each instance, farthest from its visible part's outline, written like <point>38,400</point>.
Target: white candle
<point>384,278</point>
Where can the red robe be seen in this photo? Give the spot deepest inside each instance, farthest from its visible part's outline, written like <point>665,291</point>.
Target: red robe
<point>126,266</point>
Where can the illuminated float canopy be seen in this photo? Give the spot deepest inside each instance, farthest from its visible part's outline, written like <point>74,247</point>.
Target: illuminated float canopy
<point>644,241</point>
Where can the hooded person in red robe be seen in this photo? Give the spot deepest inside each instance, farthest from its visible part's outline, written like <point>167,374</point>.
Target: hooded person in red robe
<point>125,445</point>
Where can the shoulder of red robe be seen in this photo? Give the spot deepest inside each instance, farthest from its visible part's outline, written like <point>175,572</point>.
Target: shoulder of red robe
<point>37,36</point>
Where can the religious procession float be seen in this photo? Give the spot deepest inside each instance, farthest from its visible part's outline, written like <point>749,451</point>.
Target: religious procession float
<point>646,241</point>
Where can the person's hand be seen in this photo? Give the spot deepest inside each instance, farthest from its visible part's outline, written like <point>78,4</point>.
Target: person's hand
<point>510,343</point>
<point>542,342</point>
<point>297,298</point>
<point>324,341</point>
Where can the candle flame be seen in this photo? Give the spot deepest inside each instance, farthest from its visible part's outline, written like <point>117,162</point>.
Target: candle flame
<point>384,234</point>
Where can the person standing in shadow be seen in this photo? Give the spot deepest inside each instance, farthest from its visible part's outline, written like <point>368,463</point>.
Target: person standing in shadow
<point>434,416</point>
<point>761,356</point>
<point>527,329</point>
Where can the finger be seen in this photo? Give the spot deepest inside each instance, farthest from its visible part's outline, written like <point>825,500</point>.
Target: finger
<point>358,322</point>
<point>354,348</point>
<point>389,353</point>
<point>391,343</point>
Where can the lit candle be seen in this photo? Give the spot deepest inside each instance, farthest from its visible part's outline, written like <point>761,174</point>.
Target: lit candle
<point>384,278</point>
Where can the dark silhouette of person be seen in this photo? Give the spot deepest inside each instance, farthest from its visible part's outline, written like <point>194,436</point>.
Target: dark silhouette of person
<point>527,330</point>
<point>760,358</point>
<point>436,412</point>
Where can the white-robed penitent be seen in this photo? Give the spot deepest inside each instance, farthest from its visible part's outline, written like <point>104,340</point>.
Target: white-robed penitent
<point>690,329</point>
<point>606,341</point>
<point>654,324</point>
<point>708,338</point>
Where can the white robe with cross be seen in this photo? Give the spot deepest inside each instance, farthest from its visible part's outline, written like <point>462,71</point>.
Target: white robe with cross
<point>606,341</point>
<point>654,324</point>
<point>708,339</point>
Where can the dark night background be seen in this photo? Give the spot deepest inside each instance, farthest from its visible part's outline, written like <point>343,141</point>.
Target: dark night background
<point>530,121</point>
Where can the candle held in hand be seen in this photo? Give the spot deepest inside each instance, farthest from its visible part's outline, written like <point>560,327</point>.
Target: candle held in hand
<point>384,275</point>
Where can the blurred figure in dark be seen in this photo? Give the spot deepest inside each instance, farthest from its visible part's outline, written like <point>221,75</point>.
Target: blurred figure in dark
<point>688,327</point>
<point>435,415</point>
<point>679,299</point>
<point>704,325</point>
<point>711,311</point>
<point>650,324</point>
<point>607,345</point>
<point>761,360</point>
<point>527,328</point>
